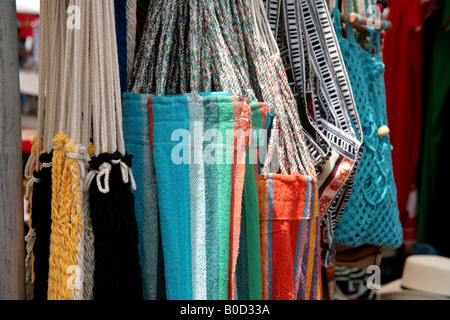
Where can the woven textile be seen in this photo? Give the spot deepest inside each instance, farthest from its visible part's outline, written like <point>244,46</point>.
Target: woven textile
<point>137,141</point>
<point>240,144</point>
<point>360,257</point>
<point>330,123</point>
<point>209,212</point>
<point>290,237</point>
<point>351,284</point>
<point>117,274</point>
<point>371,215</point>
<point>41,223</point>
<point>249,258</point>
<point>200,213</point>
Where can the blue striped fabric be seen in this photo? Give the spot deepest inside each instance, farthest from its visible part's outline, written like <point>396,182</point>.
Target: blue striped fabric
<point>193,194</point>
<point>169,115</point>
<point>137,142</point>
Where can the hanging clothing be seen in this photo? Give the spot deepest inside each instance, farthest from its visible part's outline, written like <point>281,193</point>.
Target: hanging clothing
<point>358,257</point>
<point>432,219</point>
<point>403,57</point>
<point>26,23</point>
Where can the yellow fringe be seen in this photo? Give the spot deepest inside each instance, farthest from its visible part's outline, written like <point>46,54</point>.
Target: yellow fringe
<point>66,220</point>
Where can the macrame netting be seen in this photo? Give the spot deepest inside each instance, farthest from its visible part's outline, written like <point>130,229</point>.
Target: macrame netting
<point>371,215</point>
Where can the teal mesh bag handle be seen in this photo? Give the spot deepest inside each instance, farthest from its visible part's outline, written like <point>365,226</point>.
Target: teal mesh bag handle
<point>371,215</point>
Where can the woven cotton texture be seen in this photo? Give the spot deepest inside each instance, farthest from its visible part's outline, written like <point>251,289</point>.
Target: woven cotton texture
<point>200,214</point>
<point>41,215</point>
<point>249,260</point>
<point>290,237</point>
<point>371,215</point>
<point>331,126</point>
<point>137,141</point>
<point>209,212</point>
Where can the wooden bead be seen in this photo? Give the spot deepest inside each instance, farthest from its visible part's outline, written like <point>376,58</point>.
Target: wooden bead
<point>383,131</point>
<point>353,17</point>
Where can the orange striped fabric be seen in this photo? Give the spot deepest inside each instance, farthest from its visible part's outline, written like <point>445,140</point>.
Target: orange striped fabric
<point>242,133</point>
<point>290,237</point>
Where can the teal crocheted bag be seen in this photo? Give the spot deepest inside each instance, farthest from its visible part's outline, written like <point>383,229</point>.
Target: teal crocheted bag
<point>371,215</point>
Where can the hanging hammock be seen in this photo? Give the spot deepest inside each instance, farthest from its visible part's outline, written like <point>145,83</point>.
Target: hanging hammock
<point>76,124</point>
<point>216,49</point>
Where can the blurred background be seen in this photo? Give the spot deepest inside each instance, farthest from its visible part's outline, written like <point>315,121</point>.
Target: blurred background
<point>28,31</point>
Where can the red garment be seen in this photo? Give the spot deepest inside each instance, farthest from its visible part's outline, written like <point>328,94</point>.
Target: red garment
<point>26,24</point>
<point>403,57</point>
